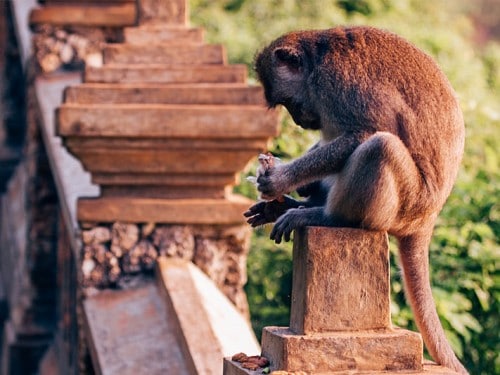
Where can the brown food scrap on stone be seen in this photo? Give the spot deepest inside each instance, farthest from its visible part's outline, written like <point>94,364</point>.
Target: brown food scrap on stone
<point>253,363</point>
<point>239,357</point>
<point>259,360</point>
<point>250,366</point>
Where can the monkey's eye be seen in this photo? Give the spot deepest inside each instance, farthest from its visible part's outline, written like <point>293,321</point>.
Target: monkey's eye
<point>289,57</point>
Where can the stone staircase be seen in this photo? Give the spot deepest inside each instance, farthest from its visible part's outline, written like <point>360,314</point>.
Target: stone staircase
<point>165,117</point>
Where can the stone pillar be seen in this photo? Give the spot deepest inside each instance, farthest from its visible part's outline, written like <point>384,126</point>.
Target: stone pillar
<point>341,281</point>
<point>340,314</point>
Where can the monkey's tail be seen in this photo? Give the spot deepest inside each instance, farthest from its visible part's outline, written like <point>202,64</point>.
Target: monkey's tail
<point>414,252</point>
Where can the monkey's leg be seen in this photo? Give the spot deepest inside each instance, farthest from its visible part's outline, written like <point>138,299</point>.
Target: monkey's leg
<point>381,188</point>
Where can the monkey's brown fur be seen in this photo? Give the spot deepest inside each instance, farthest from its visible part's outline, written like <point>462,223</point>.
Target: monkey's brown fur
<point>392,141</point>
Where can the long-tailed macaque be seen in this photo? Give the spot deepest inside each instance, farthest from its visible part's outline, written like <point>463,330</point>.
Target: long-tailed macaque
<point>392,141</point>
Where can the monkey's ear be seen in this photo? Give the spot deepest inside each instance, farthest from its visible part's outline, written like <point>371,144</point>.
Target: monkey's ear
<point>288,56</point>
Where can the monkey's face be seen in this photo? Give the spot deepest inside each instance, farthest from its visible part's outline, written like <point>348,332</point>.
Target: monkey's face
<point>282,69</point>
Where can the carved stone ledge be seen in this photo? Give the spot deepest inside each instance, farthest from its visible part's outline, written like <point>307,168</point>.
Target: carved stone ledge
<point>115,253</point>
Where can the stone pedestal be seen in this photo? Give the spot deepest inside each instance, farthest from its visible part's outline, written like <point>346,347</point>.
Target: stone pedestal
<point>381,350</point>
<point>340,314</point>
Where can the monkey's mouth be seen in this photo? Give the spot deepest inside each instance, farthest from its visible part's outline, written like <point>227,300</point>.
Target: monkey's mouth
<point>307,121</point>
<point>302,118</point>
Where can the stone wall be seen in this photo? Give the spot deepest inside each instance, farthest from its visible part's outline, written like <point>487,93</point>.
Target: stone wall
<point>28,216</point>
<point>113,254</point>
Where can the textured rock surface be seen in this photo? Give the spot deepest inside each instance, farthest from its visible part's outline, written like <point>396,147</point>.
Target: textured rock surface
<point>113,253</point>
<point>340,280</point>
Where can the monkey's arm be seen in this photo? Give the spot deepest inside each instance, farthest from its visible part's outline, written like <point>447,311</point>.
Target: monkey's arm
<point>314,165</point>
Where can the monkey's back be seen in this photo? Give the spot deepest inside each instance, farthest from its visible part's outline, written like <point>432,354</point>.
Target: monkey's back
<point>380,80</point>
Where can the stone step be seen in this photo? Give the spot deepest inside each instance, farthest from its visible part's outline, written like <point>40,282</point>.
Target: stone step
<point>162,33</point>
<point>171,164</point>
<point>164,53</point>
<point>168,121</point>
<point>164,211</point>
<point>164,167</point>
<point>165,143</point>
<point>193,179</point>
<point>110,15</point>
<point>166,74</point>
<point>95,93</point>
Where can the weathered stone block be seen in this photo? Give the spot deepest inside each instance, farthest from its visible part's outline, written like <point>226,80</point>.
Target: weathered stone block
<point>156,93</point>
<point>340,280</point>
<point>168,211</point>
<point>162,12</point>
<point>158,73</point>
<point>165,53</point>
<point>381,350</point>
<point>162,33</point>
<point>429,368</point>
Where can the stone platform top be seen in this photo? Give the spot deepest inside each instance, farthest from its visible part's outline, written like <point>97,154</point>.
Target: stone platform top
<point>429,368</point>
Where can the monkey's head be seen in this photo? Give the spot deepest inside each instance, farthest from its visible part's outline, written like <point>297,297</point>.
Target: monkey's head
<point>283,68</point>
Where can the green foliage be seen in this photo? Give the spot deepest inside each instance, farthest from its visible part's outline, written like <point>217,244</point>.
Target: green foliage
<point>465,251</point>
<point>269,286</point>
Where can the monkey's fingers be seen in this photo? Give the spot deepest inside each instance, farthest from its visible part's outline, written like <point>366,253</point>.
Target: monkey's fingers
<point>255,209</point>
<point>265,187</point>
<point>257,220</point>
<point>249,213</point>
<point>283,228</point>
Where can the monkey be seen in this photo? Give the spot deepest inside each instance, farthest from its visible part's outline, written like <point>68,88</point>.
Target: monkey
<point>392,139</point>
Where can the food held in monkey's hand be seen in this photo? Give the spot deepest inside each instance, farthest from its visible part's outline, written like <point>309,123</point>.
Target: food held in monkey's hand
<point>267,162</point>
<point>266,211</point>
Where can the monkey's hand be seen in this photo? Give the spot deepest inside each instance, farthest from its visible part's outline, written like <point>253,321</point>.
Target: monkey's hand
<point>298,218</point>
<point>273,183</point>
<point>265,212</point>
<point>286,225</point>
